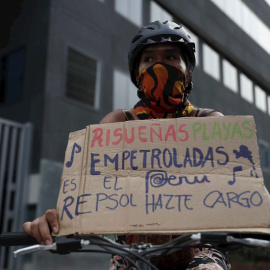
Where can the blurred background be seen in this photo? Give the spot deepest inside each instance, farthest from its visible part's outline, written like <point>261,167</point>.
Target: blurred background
<point>63,66</point>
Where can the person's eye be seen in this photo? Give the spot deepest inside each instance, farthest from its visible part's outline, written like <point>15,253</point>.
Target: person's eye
<point>148,59</point>
<point>171,57</point>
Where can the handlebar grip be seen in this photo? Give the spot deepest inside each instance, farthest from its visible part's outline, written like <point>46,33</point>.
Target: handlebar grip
<point>17,239</point>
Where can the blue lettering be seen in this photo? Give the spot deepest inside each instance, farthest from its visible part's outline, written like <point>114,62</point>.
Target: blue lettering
<point>66,205</point>
<point>114,200</point>
<point>125,203</point>
<point>187,159</point>
<point>65,185</point>
<point>81,202</point>
<point>133,152</point>
<point>167,153</point>
<point>93,162</point>
<point>224,154</point>
<point>210,201</point>
<point>144,160</point>
<point>113,160</point>
<point>125,156</point>
<point>106,181</point>
<point>100,200</point>
<point>244,199</point>
<point>169,200</point>
<point>175,163</point>
<point>259,199</point>
<point>197,161</point>
<point>115,184</point>
<point>155,155</point>
<point>209,157</point>
<point>74,184</point>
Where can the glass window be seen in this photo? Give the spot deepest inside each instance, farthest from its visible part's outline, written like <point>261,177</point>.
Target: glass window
<point>246,88</point>
<point>157,13</point>
<point>211,62</point>
<point>130,9</point>
<point>264,154</point>
<point>260,98</point>
<point>268,103</point>
<point>245,18</point>
<point>124,92</point>
<point>12,77</point>
<point>82,78</point>
<point>234,10</point>
<point>230,76</point>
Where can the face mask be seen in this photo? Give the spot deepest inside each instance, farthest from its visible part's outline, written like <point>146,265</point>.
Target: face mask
<point>163,89</point>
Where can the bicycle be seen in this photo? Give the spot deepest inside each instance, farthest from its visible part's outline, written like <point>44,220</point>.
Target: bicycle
<point>139,254</point>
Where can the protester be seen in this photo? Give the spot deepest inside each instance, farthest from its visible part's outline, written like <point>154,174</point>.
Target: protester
<point>161,62</point>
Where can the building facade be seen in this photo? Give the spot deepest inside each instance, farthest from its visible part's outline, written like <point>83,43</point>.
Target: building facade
<point>63,66</point>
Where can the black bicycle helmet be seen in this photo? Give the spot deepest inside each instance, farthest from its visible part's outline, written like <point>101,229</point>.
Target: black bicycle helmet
<point>160,32</point>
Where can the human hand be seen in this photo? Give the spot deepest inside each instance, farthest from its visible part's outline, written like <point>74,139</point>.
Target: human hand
<point>40,227</point>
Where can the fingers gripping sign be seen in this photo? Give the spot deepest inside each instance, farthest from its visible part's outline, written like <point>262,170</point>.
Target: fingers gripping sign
<point>40,228</point>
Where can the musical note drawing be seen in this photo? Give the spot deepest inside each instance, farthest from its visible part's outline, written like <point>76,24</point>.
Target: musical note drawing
<point>78,150</point>
<point>235,169</point>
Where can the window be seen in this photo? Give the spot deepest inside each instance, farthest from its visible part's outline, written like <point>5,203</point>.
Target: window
<point>157,13</point>
<point>124,92</point>
<point>246,88</point>
<point>12,76</point>
<point>268,103</point>
<point>247,20</point>
<point>211,62</point>
<point>260,99</point>
<point>82,78</point>
<point>130,9</point>
<point>230,76</point>
<point>264,154</point>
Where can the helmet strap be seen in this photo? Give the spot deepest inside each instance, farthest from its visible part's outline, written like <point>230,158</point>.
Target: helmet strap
<point>189,87</point>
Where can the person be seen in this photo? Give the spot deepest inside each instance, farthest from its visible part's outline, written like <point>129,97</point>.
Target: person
<point>161,62</point>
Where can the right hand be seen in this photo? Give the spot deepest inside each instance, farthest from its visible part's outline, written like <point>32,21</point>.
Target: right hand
<point>40,227</point>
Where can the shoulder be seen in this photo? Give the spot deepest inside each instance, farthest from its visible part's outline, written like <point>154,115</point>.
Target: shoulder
<point>113,117</point>
<point>205,112</point>
<point>119,116</point>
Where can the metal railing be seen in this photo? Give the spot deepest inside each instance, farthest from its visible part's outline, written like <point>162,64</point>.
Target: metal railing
<point>15,151</point>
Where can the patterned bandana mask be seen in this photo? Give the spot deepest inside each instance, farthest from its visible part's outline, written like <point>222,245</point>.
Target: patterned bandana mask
<point>163,88</point>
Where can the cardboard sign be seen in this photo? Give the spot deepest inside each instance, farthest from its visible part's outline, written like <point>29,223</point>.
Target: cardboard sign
<point>164,176</point>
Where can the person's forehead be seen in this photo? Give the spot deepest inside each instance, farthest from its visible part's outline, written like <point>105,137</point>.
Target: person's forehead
<point>161,47</point>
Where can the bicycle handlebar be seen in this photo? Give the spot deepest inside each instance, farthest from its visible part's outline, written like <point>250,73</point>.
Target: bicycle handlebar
<point>17,239</point>
<point>137,252</point>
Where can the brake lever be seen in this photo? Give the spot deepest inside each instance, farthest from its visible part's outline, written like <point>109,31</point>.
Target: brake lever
<point>34,248</point>
<point>63,245</point>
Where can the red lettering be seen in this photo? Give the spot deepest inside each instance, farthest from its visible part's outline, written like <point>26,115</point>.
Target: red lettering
<point>108,133</point>
<point>153,131</point>
<point>170,132</point>
<point>141,133</point>
<point>118,133</point>
<point>98,132</point>
<point>183,131</point>
<point>130,140</point>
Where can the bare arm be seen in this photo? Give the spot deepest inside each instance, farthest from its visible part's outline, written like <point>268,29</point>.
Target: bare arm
<point>41,227</point>
<point>113,117</point>
<point>215,113</point>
